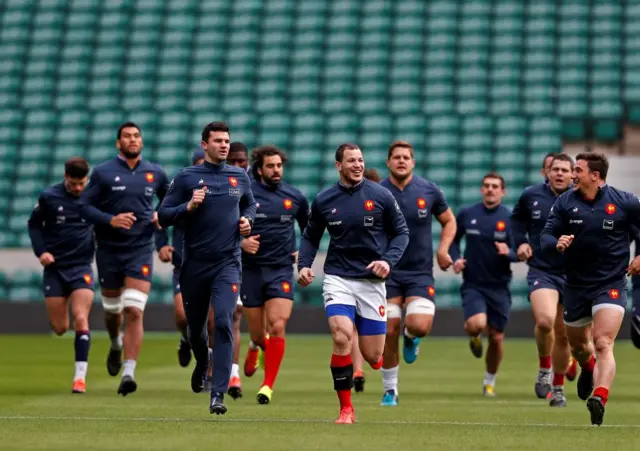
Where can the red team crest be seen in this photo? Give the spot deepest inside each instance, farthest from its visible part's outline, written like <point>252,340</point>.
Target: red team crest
<point>368,205</point>
<point>610,209</point>
<point>233,181</point>
<point>288,204</point>
<point>145,270</point>
<point>431,291</point>
<point>422,203</point>
<point>150,177</point>
<point>614,294</point>
<point>87,279</point>
<point>500,226</point>
<point>286,287</point>
<point>381,310</point>
<point>234,287</point>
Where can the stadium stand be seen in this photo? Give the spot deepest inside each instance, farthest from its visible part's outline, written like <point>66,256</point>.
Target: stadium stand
<point>489,84</point>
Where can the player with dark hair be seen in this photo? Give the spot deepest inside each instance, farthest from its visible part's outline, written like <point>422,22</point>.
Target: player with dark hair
<point>119,202</point>
<point>546,165</point>
<point>368,237</point>
<point>63,242</point>
<point>356,356</point>
<point>267,263</point>
<point>591,225</point>
<point>486,272</point>
<point>411,286</point>
<point>545,278</point>
<point>239,156</point>
<point>214,204</point>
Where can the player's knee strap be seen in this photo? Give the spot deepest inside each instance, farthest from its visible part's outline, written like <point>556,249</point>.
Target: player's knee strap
<point>112,304</point>
<point>394,311</point>
<point>421,306</point>
<point>134,298</point>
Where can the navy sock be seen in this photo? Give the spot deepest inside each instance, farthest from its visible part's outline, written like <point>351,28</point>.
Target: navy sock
<point>82,344</point>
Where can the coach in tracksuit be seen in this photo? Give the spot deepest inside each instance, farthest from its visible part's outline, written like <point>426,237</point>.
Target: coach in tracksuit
<point>368,237</point>
<point>591,225</point>
<point>119,201</point>
<point>215,205</point>
<point>486,272</point>
<point>545,278</point>
<point>64,244</point>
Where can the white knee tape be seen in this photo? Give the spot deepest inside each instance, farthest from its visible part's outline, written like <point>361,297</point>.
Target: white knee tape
<point>421,306</point>
<point>394,311</point>
<point>134,298</point>
<point>112,305</point>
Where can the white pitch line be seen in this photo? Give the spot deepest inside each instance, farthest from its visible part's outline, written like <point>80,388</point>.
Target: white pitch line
<point>312,421</point>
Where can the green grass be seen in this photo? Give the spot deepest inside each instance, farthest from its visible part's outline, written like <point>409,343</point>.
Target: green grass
<point>441,403</point>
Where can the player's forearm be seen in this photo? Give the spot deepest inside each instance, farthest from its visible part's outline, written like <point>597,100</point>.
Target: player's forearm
<point>548,242</point>
<point>37,241</point>
<point>168,215</point>
<point>519,233</point>
<point>454,250</point>
<point>94,216</point>
<point>447,237</point>
<point>307,254</point>
<point>161,239</point>
<point>396,248</point>
<point>513,256</point>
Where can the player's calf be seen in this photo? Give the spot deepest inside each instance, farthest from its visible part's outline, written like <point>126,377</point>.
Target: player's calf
<point>474,326</point>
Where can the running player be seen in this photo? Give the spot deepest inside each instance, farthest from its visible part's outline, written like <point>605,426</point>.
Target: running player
<point>356,356</point>
<point>635,296</point>
<point>591,225</point>
<point>267,263</point>
<point>119,201</point>
<point>486,272</point>
<point>63,242</point>
<point>368,237</point>
<point>545,278</point>
<point>411,285</point>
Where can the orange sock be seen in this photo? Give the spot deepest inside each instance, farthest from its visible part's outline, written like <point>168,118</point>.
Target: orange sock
<point>272,359</point>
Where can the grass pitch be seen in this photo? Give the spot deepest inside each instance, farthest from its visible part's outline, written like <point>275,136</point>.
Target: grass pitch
<point>441,403</point>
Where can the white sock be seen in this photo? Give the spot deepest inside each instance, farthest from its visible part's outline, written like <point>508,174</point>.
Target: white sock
<point>116,343</point>
<point>235,370</point>
<point>81,371</point>
<point>489,379</point>
<point>390,379</point>
<point>129,368</point>
<point>407,334</point>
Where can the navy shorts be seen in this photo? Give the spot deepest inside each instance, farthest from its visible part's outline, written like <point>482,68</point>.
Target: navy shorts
<point>538,279</point>
<point>264,283</point>
<point>62,282</point>
<point>404,287</point>
<point>175,280</point>
<point>494,300</point>
<point>113,267</point>
<point>581,302</point>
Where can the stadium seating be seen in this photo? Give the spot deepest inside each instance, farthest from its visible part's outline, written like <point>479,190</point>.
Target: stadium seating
<point>475,86</point>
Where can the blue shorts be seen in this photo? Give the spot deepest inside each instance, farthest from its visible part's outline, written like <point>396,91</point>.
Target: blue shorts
<point>538,279</point>
<point>494,300</point>
<point>264,283</point>
<point>62,282</point>
<point>175,280</point>
<point>580,302</point>
<point>405,287</point>
<point>113,267</point>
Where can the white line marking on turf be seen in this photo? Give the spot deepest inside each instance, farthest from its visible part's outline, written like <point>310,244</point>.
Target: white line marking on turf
<point>316,421</point>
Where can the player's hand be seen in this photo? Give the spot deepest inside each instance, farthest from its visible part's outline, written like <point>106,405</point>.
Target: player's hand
<point>633,269</point>
<point>380,268</point>
<point>524,252</point>
<point>46,259</point>
<point>305,277</point>
<point>251,244</point>
<point>444,260</point>
<point>459,265</point>
<point>123,221</point>
<point>564,242</point>
<point>295,257</point>
<point>165,253</point>
<point>245,227</point>
<point>154,221</point>
<point>502,248</point>
<point>197,198</point>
